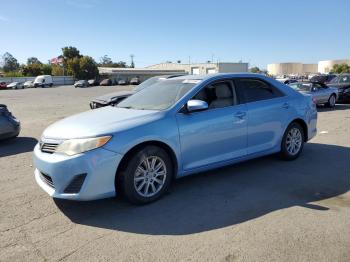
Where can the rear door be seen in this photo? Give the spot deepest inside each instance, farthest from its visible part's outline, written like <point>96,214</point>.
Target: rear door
<point>268,110</point>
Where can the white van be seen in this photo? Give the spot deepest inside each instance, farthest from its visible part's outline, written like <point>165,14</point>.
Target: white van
<point>43,81</point>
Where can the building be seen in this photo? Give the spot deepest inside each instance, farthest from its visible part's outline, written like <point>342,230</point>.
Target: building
<point>326,66</point>
<point>127,74</point>
<point>203,68</point>
<point>291,69</point>
<point>171,69</point>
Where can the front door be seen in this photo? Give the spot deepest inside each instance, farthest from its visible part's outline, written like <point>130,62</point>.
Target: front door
<point>217,134</point>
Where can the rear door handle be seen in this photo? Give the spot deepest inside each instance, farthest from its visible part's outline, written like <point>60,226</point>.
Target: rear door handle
<point>285,106</point>
<point>240,114</point>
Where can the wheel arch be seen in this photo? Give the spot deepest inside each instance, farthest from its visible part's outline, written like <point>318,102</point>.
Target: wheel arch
<point>134,149</point>
<point>303,125</point>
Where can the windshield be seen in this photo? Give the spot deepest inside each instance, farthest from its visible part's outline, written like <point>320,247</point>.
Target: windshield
<point>158,96</point>
<point>146,83</point>
<point>301,86</point>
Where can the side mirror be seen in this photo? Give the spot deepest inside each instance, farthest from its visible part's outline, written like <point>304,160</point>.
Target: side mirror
<point>196,105</point>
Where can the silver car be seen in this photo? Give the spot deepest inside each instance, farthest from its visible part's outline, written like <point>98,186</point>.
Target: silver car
<point>321,93</point>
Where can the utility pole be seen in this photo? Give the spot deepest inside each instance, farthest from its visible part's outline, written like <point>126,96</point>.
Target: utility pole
<point>132,65</point>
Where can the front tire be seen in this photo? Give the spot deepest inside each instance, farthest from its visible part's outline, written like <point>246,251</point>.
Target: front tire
<point>147,175</point>
<point>292,142</point>
<point>331,101</point>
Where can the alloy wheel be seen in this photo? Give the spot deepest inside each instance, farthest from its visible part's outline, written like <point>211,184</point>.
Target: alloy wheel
<point>150,176</point>
<point>294,141</point>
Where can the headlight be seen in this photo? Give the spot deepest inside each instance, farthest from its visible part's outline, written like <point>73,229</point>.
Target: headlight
<point>76,146</point>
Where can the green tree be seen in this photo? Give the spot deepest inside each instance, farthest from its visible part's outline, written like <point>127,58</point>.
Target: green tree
<point>70,52</point>
<point>46,69</point>
<point>73,67</point>
<point>31,70</point>
<point>57,70</point>
<point>9,63</point>
<point>106,61</point>
<point>33,60</point>
<point>340,69</point>
<point>88,68</point>
<point>255,69</point>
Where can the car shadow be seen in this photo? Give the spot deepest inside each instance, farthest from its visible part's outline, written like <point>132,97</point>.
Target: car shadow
<point>17,145</point>
<point>228,196</point>
<point>336,108</point>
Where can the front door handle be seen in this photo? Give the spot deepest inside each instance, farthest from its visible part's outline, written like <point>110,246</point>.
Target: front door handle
<point>285,106</point>
<point>240,114</point>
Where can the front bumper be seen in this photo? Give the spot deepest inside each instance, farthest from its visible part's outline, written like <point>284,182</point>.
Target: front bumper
<point>98,168</point>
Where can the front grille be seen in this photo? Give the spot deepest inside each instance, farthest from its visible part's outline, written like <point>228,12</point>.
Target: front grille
<point>47,179</point>
<point>75,185</point>
<point>48,147</point>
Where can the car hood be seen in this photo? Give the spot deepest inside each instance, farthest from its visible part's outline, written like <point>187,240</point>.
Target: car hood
<point>12,84</point>
<point>102,121</point>
<point>110,96</point>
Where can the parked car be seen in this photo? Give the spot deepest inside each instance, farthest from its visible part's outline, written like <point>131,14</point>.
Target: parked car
<point>135,81</point>
<point>286,81</point>
<point>43,81</point>
<point>3,85</point>
<point>321,93</point>
<point>93,82</point>
<point>15,85</point>
<point>324,79</point>
<point>28,84</point>
<point>116,97</point>
<point>122,82</point>
<point>170,129</point>
<point>342,83</point>
<point>106,82</point>
<point>9,125</point>
<point>81,83</point>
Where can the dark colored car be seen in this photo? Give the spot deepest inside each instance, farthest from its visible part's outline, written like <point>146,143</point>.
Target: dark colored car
<point>81,83</point>
<point>93,82</point>
<point>122,82</point>
<point>324,79</point>
<point>116,97</point>
<point>9,125</point>
<point>3,85</point>
<point>342,83</point>
<point>106,82</point>
<point>135,81</point>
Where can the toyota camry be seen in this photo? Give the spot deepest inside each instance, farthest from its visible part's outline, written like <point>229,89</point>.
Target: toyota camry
<point>173,128</point>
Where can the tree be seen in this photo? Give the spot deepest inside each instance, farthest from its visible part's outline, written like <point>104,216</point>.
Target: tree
<point>88,68</point>
<point>106,61</point>
<point>70,52</point>
<point>33,60</point>
<point>57,70</point>
<point>10,63</point>
<point>255,69</point>
<point>46,69</point>
<point>340,69</point>
<point>83,67</point>
<point>31,70</point>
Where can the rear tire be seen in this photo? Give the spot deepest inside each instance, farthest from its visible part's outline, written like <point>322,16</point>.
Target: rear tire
<point>331,101</point>
<point>292,142</point>
<point>147,176</point>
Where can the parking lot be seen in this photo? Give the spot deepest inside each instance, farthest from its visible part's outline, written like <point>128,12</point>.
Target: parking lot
<point>261,210</point>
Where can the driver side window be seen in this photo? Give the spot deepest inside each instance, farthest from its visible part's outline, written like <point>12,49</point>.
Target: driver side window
<point>218,95</point>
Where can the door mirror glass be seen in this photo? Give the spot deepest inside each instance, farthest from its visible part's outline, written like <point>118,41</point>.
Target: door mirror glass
<point>196,105</point>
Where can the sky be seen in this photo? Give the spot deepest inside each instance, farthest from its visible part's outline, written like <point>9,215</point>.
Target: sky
<point>258,32</point>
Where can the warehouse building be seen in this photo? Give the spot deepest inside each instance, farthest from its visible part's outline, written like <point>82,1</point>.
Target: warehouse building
<point>127,74</point>
<point>171,69</point>
<point>279,69</point>
<point>203,68</point>
<point>326,66</point>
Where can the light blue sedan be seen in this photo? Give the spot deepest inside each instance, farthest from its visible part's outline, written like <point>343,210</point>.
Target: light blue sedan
<point>173,128</point>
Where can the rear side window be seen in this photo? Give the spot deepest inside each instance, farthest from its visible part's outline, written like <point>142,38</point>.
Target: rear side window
<point>251,90</point>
